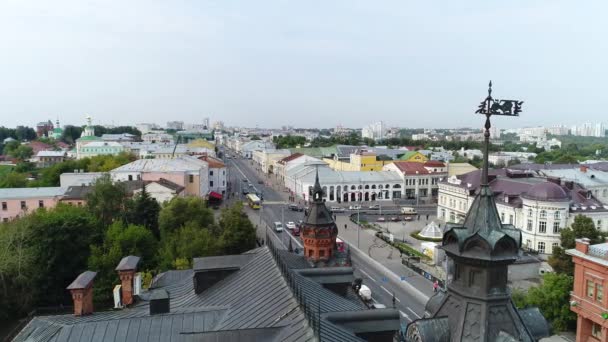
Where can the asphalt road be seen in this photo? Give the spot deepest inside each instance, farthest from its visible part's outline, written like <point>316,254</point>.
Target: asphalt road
<point>274,209</point>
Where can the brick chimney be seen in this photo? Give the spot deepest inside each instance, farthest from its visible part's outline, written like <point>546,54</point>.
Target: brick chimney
<point>582,245</point>
<point>126,271</point>
<point>82,293</point>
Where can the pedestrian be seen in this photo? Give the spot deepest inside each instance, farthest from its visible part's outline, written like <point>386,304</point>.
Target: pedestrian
<point>427,217</point>
<point>345,227</point>
<point>418,217</point>
<point>435,286</point>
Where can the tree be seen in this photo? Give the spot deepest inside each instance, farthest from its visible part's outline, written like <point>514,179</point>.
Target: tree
<point>238,233</point>
<point>582,227</point>
<point>22,152</point>
<point>60,243</point>
<point>10,146</point>
<point>106,200</point>
<point>552,298</point>
<point>71,134</point>
<point>16,269</point>
<point>144,210</point>
<point>566,159</point>
<point>187,242</point>
<point>255,137</point>
<point>25,133</point>
<point>13,180</point>
<point>120,240</point>
<point>182,210</point>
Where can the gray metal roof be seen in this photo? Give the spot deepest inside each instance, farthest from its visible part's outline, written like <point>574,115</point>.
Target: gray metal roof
<point>220,262</point>
<point>82,281</point>
<point>128,263</point>
<point>23,193</point>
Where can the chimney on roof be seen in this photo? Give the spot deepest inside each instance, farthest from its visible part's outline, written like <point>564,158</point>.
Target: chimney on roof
<point>159,302</point>
<point>582,245</point>
<point>82,293</point>
<point>583,168</point>
<point>129,282</point>
<point>569,185</point>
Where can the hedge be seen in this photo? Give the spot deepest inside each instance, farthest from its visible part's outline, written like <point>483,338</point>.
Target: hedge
<point>416,236</point>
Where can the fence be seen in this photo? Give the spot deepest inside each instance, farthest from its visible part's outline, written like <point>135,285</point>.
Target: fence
<point>312,310</point>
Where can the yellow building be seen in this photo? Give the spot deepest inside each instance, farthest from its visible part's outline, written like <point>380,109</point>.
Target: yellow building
<point>362,161</point>
<point>414,156</point>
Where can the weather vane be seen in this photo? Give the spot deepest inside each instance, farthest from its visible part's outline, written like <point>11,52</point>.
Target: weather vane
<point>488,107</point>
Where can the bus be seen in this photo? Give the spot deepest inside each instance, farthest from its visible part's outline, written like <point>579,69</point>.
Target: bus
<point>253,201</point>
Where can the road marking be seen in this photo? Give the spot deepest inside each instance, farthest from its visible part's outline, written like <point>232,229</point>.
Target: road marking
<point>405,315</point>
<point>239,170</point>
<point>412,311</point>
<point>367,275</point>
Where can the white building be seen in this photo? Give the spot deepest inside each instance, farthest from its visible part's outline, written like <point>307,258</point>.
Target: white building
<point>146,127</point>
<point>589,130</point>
<point>419,180</point>
<point>539,207</point>
<point>376,131</point>
<point>176,125</point>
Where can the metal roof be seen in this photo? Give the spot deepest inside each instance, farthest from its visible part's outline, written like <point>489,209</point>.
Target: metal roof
<point>128,263</point>
<point>24,193</point>
<point>82,281</point>
<point>181,164</point>
<point>305,173</point>
<point>220,262</point>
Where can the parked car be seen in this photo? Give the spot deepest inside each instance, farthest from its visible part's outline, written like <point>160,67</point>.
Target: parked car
<point>377,306</point>
<point>245,192</point>
<point>337,209</point>
<point>260,182</point>
<point>354,207</point>
<point>408,218</point>
<point>278,227</point>
<point>374,206</point>
<point>290,225</point>
<point>294,207</point>
<point>381,219</point>
<point>395,219</point>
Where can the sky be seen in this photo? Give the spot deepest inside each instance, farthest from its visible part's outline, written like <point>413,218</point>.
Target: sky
<point>314,63</point>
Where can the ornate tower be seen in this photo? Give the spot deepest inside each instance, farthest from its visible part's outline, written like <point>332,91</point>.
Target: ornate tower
<point>477,303</point>
<point>319,230</point>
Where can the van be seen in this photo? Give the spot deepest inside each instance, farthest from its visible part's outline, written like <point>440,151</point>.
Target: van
<point>278,227</point>
<point>408,211</point>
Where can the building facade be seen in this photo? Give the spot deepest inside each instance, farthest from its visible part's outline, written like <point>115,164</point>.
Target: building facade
<point>587,297</point>
<point>17,202</point>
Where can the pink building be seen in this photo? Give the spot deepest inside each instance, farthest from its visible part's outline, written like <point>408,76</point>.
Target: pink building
<point>16,202</point>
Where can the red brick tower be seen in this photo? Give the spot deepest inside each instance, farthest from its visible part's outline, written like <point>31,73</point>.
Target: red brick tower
<point>319,230</point>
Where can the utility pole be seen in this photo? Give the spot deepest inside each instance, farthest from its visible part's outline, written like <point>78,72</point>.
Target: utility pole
<point>358,224</point>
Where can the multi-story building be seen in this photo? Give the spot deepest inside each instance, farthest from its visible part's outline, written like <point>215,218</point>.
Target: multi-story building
<point>589,130</point>
<point>376,131</point>
<point>420,181</point>
<point>265,160</point>
<point>587,297</point>
<point>49,158</point>
<point>217,176</point>
<point>17,202</point>
<point>176,125</point>
<point>44,129</point>
<point>186,171</point>
<point>539,207</point>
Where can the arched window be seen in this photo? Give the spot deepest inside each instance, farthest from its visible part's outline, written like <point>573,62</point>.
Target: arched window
<point>380,186</point>
<point>557,215</point>
<point>387,186</point>
<point>366,186</point>
<point>373,186</point>
<point>360,187</point>
<point>543,214</point>
<point>352,187</point>
<point>396,186</point>
<point>530,212</point>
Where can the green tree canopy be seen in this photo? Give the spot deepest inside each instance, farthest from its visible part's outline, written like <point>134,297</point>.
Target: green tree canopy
<point>185,243</point>
<point>182,210</point>
<point>13,179</point>
<point>106,200</point>
<point>120,240</point>
<point>144,210</point>
<point>238,233</point>
<point>582,227</point>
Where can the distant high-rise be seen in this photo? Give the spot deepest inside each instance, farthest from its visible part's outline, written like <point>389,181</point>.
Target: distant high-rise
<point>176,125</point>
<point>376,131</point>
<point>589,130</point>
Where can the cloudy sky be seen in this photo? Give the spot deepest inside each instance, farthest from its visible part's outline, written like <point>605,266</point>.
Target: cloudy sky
<point>302,63</point>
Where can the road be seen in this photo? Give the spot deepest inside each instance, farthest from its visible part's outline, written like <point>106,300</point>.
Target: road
<point>409,302</point>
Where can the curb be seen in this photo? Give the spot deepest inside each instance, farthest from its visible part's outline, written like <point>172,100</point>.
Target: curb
<point>388,272</point>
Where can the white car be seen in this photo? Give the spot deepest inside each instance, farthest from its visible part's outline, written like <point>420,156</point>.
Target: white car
<point>355,207</point>
<point>278,227</point>
<point>290,225</point>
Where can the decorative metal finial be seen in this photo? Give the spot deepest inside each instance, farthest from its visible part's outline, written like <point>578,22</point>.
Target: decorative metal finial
<point>489,107</point>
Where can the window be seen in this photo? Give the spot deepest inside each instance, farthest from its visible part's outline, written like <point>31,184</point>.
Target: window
<point>191,178</point>
<point>502,217</point>
<point>590,289</point>
<point>557,215</point>
<point>510,219</point>
<point>596,330</point>
<point>555,227</point>
<point>529,226</point>
<point>542,227</point>
<point>130,177</point>
<point>543,214</point>
<point>4,206</point>
<point>5,219</point>
<point>210,183</point>
<point>22,204</point>
<point>321,253</point>
<point>40,204</point>
<point>541,247</point>
<point>599,224</point>
<point>210,172</point>
<point>529,212</point>
<point>553,246</point>
<point>599,292</point>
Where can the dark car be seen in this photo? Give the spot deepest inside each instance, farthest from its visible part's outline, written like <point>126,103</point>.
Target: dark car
<point>245,192</point>
<point>294,207</point>
<point>260,182</point>
<point>245,180</point>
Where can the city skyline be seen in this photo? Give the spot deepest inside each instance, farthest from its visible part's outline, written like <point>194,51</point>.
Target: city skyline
<point>306,65</point>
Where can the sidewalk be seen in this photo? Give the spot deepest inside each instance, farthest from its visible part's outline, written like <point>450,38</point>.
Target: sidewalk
<point>383,253</point>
